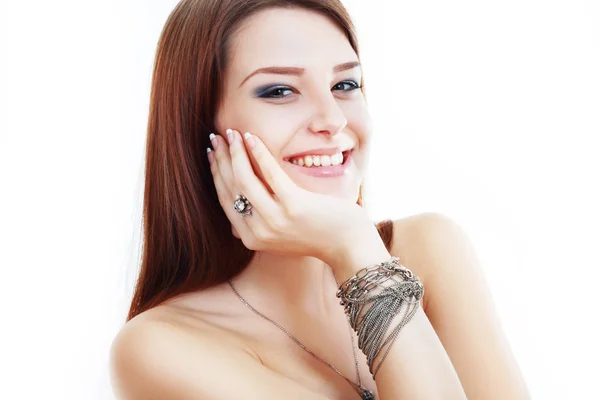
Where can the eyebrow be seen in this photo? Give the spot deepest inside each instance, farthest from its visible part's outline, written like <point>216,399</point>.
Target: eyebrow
<point>298,71</point>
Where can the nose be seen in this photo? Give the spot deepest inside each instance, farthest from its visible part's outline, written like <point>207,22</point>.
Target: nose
<point>328,118</point>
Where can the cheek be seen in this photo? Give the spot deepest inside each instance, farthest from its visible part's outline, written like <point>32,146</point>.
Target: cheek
<point>274,125</point>
<point>361,123</point>
<point>250,116</point>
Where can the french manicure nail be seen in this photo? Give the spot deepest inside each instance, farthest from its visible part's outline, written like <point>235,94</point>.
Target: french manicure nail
<point>210,155</point>
<point>229,135</point>
<point>250,140</point>
<point>214,142</point>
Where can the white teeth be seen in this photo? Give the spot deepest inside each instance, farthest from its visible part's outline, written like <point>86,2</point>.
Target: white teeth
<point>308,161</point>
<point>318,161</point>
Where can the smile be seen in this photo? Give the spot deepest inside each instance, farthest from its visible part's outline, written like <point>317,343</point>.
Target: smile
<point>325,166</point>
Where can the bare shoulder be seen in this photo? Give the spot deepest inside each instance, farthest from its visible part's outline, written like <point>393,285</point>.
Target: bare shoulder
<point>459,304</point>
<point>160,355</point>
<point>428,243</point>
<point>152,355</point>
<point>421,228</point>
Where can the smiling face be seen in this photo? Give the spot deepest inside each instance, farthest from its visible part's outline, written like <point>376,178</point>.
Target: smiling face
<point>309,108</point>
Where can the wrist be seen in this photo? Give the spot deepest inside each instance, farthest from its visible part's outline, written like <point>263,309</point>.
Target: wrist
<point>358,248</point>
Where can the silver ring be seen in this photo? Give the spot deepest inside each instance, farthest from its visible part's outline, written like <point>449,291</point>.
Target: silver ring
<point>242,206</point>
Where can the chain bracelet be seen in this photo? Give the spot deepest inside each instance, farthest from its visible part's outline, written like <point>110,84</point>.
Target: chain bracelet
<point>371,325</point>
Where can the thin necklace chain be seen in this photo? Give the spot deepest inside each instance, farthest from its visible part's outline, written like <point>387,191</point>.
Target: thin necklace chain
<point>358,386</point>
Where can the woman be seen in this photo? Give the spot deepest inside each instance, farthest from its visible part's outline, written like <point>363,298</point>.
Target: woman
<point>246,243</point>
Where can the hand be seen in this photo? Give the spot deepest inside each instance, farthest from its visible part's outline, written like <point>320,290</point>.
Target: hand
<point>285,218</point>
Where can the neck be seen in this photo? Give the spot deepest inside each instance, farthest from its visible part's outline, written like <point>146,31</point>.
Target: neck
<point>289,285</point>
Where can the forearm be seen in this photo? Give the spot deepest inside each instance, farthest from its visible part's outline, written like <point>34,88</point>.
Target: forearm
<point>417,365</point>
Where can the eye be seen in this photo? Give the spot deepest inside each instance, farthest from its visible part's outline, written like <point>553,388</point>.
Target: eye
<point>273,92</point>
<point>353,85</point>
<point>279,92</point>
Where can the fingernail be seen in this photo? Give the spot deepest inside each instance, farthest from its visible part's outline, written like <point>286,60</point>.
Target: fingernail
<point>210,155</point>
<point>229,135</point>
<point>250,140</point>
<point>213,141</point>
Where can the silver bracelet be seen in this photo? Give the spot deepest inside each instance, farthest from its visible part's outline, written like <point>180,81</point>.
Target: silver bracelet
<point>371,325</point>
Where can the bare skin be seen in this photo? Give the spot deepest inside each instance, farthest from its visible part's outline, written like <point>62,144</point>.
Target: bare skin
<point>219,314</point>
<point>208,345</point>
<point>189,327</point>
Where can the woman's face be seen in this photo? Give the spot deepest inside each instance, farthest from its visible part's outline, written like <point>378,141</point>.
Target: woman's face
<point>307,114</point>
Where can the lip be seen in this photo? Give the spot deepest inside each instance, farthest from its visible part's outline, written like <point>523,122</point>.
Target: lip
<point>318,152</point>
<point>324,172</point>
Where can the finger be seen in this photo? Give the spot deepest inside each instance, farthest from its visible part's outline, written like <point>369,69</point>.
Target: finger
<point>223,161</point>
<point>239,226</point>
<point>246,180</point>
<point>272,172</point>
<point>223,192</point>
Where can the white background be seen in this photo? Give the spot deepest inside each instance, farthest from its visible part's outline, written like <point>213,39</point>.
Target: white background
<point>487,112</point>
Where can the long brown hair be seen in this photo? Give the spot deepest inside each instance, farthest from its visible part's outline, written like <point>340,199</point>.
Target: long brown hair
<point>187,239</point>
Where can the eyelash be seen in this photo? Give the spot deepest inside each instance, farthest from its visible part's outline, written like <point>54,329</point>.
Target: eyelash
<point>267,93</point>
